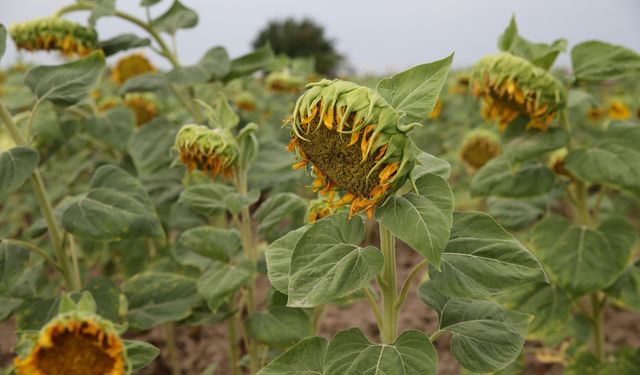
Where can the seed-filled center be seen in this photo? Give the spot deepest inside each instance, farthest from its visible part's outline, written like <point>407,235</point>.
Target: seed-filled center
<point>330,152</point>
<point>74,353</point>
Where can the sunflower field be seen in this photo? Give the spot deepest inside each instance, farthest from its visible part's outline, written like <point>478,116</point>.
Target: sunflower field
<point>247,215</point>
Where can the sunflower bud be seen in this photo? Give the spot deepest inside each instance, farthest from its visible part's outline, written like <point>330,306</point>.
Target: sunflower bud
<point>478,147</point>
<point>213,151</point>
<point>618,110</point>
<point>283,82</point>
<point>54,33</point>
<point>75,343</point>
<point>131,66</point>
<point>556,163</point>
<point>350,135</point>
<point>511,86</point>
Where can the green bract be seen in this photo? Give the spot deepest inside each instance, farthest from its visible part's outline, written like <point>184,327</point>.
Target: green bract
<point>211,150</point>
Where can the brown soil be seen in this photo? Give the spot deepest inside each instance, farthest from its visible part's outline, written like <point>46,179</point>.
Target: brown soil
<point>199,347</point>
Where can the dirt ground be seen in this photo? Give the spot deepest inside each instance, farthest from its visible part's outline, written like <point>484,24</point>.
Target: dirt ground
<point>199,347</point>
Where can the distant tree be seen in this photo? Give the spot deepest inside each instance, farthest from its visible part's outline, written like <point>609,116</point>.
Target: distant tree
<point>301,39</point>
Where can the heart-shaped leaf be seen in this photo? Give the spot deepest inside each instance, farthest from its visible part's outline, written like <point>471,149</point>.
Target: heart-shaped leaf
<point>16,166</point>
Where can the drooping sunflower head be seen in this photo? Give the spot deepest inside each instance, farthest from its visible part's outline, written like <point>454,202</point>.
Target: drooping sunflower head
<point>245,101</point>
<point>54,33</point>
<point>556,163</point>
<point>478,147</point>
<point>351,138</point>
<point>213,151</point>
<point>131,66</point>
<point>283,82</point>
<point>144,107</point>
<point>460,84</point>
<point>511,86</point>
<point>595,114</point>
<point>618,110</point>
<point>75,343</point>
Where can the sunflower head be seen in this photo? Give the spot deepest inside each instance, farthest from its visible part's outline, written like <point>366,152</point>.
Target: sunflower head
<point>511,86</point>
<point>131,66</point>
<point>245,101</point>
<point>144,107</point>
<point>214,151</point>
<point>351,138</point>
<point>460,85</point>
<point>318,209</point>
<point>595,114</point>
<point>556,163</point>
<point>54,33</point>
<point>618,110</point>
<point>75,343</point>
<point>478,147</point>
<point>283,82</point>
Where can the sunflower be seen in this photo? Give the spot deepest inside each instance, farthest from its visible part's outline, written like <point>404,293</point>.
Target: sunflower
<point>478,147</point>
<point>460,85</point>
<point>283,82</point>
<point>595,114</point>
<point>556,163</point>
<point>435,113</point>
<point>618,110</point>
<point>214,151</point>
<point>351,137</point>
<point>144,107</point>
<point>131,66</point>
<point>245,101</point>
<point>75,344</point>
<point>54,33</point>
<point>511,86</point>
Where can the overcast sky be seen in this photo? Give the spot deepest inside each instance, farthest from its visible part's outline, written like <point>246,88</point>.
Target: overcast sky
<point>375,36</point>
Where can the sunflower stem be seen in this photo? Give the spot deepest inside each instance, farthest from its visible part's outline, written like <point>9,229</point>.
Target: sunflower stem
<point>172,348</point>
<point>234,355</point>
<point>597,307</point>
<point>407,283</point>
<point>389,329</point>
<point>46,208</point>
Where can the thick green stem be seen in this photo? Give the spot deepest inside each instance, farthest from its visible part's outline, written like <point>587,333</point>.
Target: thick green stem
<point>597,308</point>
<point>63,259</point>
<point>170,339</point>
<point>234,354</point>
<point>388,287</point>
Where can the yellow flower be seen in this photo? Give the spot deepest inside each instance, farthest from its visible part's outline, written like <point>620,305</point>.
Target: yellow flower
<point>478,147</point>
<point>435,113</point>
<point>131,66</point>
<point>75,344</point>
<point>54,33</point>
<point>214,151</point>
<point>351,137</point>
<point>618,110</point>
<point>143,106</point>
<point>595,114</point>
<point>511,86</point>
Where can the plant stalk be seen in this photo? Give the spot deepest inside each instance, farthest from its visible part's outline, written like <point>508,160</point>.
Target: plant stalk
<point>170,337</point>
<point>70,275</point>
<point>597,307</point>
<point>389,330</point>
<point>234,355</point>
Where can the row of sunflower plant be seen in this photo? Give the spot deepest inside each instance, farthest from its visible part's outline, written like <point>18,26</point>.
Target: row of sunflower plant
<point>155,201</point>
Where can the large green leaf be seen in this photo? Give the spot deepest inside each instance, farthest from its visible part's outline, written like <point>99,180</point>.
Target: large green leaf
<point>540,54</point>
<point>113,127</point>
<point>305,358</point>
<point>482,259</point>
<point>140,354</point>
<point>422,220</point>
<point>278,256</point>
<point>215,64</point>
<point>350,353</point>
<point>222,279</point>
<point>13,262</point>
<point>626,290</point>
<point>206,199</point>
<point>414,91</point>
<point>176,17</point>
<point>527,144</point>
<point>429,164</point>
<point>116,207</point>
<point>504,177</point>
<point>68,83</point>
<point>275,209</point>
<point>149,147</point>
<point>144,82</point>
<point>279,326</point>
<point>486,336</point>
<point>600,61</point>
<point>249,63</point>
<point>159,297</point>
<point>613,161</point>
<point>581,259</point>
<point>7,306</point>
<point>34,313</point>
<point>516,213</point>
<point>122,42</point>
<point>328,264</point>
<point>200,246</point>
<point>16,166</point>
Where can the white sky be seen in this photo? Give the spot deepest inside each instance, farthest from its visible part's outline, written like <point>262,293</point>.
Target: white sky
<point>376,36</point>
